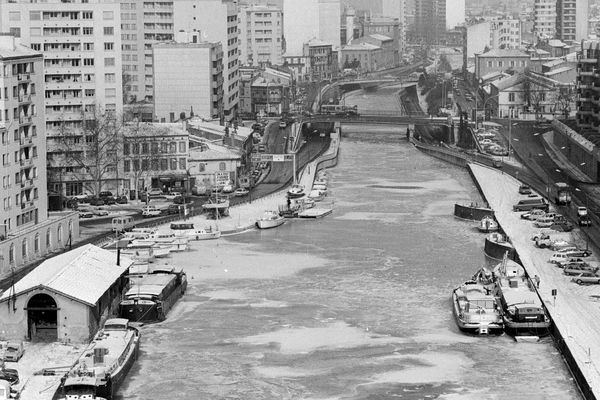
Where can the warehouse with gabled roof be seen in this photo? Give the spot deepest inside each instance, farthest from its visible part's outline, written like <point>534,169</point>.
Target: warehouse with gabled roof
<point>66,298</point>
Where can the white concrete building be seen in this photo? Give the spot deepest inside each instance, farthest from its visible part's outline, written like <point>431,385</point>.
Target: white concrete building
<point>26,230</point>
<point>143,23</point>
<point>81,43</point>
<point>455,13</point>
<point>309,19</point>
<point>261,35</point>
<point>187,76</point>
<point>544,19</point>
<point>217,21</point>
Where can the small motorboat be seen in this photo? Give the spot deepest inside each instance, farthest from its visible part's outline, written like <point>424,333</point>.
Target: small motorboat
<point>322,188</point>
<point>476,309</point>
<point>270,219</point>
<point>488,224</point>
<point>296,191</point>
<point>320,182</point>
<point>206,234</point>
<point>316,195</point>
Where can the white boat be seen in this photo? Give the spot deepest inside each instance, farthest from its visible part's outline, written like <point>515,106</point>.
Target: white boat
<point>475,309</point>
<point>322,188</point>
<point>141,253</point>
<point>316,195</point>
<point>179,242</point>
<point>295,191</point>
<point>488,224</point>
<point>320,182</point>
<point>158,247</point>
<point>206,234</point>
<point>270,219</point>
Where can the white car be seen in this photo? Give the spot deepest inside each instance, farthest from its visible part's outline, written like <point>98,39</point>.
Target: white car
<point>227,188</point>
<point>155,192</point>
<point>545,221</point>
<point>239,192</point>
<point>582,211</point>
<point>150,211</point>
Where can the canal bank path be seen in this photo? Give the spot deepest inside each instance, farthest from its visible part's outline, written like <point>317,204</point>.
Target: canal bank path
<point>576,309</point>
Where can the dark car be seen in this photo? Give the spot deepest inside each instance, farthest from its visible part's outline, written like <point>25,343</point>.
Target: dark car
<point>524,189</point>
<point>10,375</point>
<point>562,226</point>
<point>172,209</point>
<point>122,200</point>
<point>105,194</point>
<point>97,201</point>
<point>73,203</point>
<point>109,200</point>
<point>585,220</point>
<point>182,200</point>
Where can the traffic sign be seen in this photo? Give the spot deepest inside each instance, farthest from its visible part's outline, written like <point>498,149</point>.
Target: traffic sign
<point>271,157</point>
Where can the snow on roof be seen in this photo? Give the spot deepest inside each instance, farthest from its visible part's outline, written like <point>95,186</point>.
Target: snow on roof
<point>217,129</point>
<point>502,84</point>
<point>381,37</point>
<point>559,70</point>
<point>83,274</point>
<point>213,153</point>
<point>504,53</point>
<point>554,63</point>
<point>360,46</point>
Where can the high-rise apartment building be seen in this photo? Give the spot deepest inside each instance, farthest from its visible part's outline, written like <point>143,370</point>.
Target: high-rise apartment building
<point>26,232</point>
<point>310,19</point>
<point>544,19</point>
<point>261,35</point>
<point>81,43</point>
<point>396,9</point>
<point>187,76</point>
<point>143,23</point>
<point>455,13</point>
<point>572,20</point>
<point>430,20</point>
<point>217,21</point>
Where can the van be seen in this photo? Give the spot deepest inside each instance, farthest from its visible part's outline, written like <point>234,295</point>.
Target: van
<point>123,224</point>
<point>530,204</point>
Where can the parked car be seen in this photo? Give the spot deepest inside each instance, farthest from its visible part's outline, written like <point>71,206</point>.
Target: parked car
<point>544,221</point>
<point>72,203</point>
<point>239,192</point>
<point>579,268</point>
<point>14,351</point>
<point>524,189</point>
<point>105,194</point>
<point>101,213</point>
<point>182,200</point>
<point>97,201</point>
<point>529,204</point>
<point>155,192</point>
<point>533,215</point>
<point>563,226</point>
<point>569,261</point>
<point>109,200</point>
<point>122,200</point>
<point>150,211</point>
<point>173,209</point>
<point>9,374</point>
<point>199,190</point>
<point>82,198</point>
<point>227,188</point>
<point>541,235</point>
<point>585,278</point>
<point>86,214</point>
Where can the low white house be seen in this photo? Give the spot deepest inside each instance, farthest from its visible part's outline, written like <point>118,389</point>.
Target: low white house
<point>66,298</point>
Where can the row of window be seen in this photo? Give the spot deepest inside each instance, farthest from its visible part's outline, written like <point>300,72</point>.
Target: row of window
<point>32,216</point>
<point>501,63</point>
<point>153,148</point>
<point>154,164</point>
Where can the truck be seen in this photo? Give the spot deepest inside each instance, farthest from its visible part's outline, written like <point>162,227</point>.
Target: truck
<point>562,193</point>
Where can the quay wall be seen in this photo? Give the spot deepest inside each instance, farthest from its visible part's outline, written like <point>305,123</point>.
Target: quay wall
<point>558,335</point>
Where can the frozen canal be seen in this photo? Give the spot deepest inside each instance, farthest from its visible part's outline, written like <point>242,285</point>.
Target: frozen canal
<point>353,306</point>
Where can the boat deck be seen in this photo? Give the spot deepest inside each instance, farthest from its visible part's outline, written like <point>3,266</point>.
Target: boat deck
<point>315,213</point>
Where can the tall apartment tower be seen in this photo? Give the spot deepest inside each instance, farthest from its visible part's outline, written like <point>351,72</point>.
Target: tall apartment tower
<point>572,20</point>
<point>217,21</point>
<point>143,23</point>
<point>544,19</point>
<point>261,35</point>
<point>587,81</point>
<point>24,192</point>
<point>310,19</point>
<point>81,44</point>
<point>430,20</point>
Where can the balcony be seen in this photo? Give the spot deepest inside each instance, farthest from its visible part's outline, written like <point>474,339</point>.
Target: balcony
<point>27,204</point>
<point>26,183</point>
<point>25,119</point>
<point>24,98</point>
<point>26,162</point>
<point>586,73</point>
<point>25,140</point>
<point>23,77</point>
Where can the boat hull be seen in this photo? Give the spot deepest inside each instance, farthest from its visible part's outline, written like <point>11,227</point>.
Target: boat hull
<point>514,328</point>
<point>472,212</point>
<point>268,224</point>
<point>151,311</point>
<point>115,380</point>
<point>206,235</point>
<point>496,250</point>
<point>474,328</point>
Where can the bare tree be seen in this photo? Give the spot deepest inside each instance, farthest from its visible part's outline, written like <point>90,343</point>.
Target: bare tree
<point>564,100</point>
<point>90,153</point>
<point>534,98</point>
